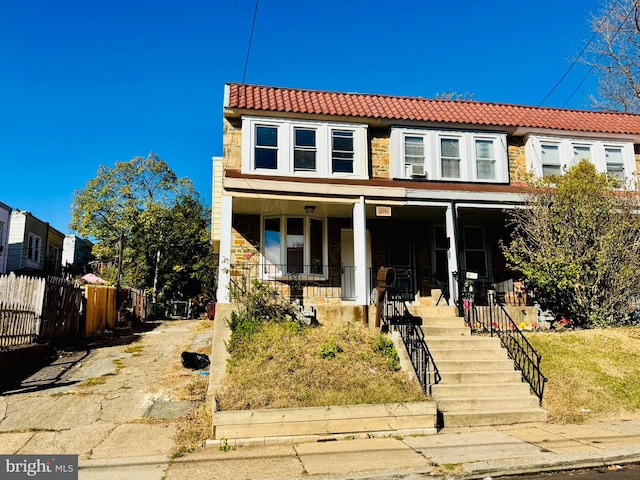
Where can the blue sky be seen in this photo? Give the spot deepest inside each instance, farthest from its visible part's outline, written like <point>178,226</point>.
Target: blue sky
<point>88,83</point>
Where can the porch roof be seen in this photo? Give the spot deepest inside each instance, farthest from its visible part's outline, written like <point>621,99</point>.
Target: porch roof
<point>390,108</point>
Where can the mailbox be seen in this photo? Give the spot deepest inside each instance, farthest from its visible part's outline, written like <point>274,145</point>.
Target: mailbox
<point>386,278</point>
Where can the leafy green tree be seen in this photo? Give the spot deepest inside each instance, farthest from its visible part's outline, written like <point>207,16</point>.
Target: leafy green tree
<point>577,244</point>
<point>149,226</point>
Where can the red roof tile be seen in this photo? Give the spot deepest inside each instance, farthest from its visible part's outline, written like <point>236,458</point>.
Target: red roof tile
<point>290,100</point>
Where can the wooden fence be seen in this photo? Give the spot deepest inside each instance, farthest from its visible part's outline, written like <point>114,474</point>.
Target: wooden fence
<point>101,308</point>
<point>21,301</point>
<point>36,309</point>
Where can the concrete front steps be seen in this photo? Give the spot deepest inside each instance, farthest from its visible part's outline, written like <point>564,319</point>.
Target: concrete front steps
<point>479,384</point>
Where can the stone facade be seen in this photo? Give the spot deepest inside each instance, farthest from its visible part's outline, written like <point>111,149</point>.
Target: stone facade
<point>232,144</point>
<point>517,160</point>
<point>379,152</point>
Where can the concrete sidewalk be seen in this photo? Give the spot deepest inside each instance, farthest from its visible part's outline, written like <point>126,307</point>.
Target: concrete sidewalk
<point>454,453</point>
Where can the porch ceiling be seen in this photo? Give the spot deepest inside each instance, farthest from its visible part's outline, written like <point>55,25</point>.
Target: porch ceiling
<point>323,208</point>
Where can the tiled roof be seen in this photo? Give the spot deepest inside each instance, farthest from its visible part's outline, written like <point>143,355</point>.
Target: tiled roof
<point>291,100</point>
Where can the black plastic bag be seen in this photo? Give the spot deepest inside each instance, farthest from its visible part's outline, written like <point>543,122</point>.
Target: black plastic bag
<point>194,361</point>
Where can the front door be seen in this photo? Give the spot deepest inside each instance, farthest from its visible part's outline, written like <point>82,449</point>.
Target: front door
<point>401,258</point>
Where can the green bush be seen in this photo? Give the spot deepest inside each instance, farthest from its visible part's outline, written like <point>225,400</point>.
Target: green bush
<point>254,307</point>
<point>384,346</point>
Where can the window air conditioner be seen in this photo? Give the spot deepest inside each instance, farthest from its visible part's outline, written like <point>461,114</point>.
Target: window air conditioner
<point>417,170</point>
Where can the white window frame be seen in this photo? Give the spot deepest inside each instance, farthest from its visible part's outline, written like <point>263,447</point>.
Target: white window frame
<point>597,147</point>
<point>286,147</point>
<point>34,248</point>
<point>432,162</point>
<point>271,273</point>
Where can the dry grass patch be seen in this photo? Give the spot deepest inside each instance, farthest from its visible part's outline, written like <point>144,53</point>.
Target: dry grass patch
<point>284,365</point>
<point>592,373</point>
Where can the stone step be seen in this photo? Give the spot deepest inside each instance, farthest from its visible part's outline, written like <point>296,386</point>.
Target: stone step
<point>480,378</point>
<point>493,417</point>
<point>468,366</point>
<point>437,331</point>
<point>469,341</point>
<point>487,403</point>
<point>470,354</point>
<point>432,311</point>
<point>443,322</point>
<point>475,390</point>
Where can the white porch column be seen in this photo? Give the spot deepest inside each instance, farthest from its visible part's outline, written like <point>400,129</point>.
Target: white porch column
<point>360,251</point>
<point>226,202</point>
<point>452,254</point>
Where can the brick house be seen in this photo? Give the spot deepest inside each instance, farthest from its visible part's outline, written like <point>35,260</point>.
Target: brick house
<point>316,190</point>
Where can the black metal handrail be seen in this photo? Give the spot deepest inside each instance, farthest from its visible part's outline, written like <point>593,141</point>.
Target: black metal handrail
<point>494,320</point>
<point>396,315</point>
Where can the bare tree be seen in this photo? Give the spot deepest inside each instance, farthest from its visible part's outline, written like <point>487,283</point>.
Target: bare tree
<point>615,53</point>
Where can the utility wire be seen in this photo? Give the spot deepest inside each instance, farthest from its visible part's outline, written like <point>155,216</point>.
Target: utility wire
<point>575,61</point>
<point>601,53</point>
<point>253,26</point>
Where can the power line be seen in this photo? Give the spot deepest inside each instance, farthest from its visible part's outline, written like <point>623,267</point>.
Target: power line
<point>575,61</point>
<point>253,26</point>
<point>601,53</point>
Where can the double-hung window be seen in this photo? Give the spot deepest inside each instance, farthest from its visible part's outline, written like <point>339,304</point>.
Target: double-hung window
<point>554,155</point>
<point>304,149</point>
<point>450,157</point>
<point>293,245</point>
<point>414,155</point>
<point>33,248</point>
<point>550,159</point>
<point>342,152</point>
<point>485,159</point>
<point>581,152</point>
<point>266,147</point>
<point>615,162</point>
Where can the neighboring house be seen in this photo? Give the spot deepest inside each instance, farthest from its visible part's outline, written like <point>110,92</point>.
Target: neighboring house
<point>76,254</point>
<point>5,220</point>
<point>53,252</point>
<point>28,239</point>
<point>320,189</point>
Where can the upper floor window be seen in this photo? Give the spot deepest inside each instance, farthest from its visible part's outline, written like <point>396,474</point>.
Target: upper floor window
<point>485,159</point>
<point>615,162</point>
<point>414,155</point>
<point>550,159</point>
<point>266,149</point>
<point>304,149</point>
<point>285,147</point>
<point>444,155</point>
<point>554,155</point>
<point>33,248</point>
<point>342,151</point>
<point>450,157</point>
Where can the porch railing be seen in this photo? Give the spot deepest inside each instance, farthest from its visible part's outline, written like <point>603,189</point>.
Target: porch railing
<point>395,315</point>
<point>298,281</point>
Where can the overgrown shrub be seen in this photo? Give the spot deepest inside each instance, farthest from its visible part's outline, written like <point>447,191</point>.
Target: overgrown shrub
<point>384,346</point>
<point>254,307</point>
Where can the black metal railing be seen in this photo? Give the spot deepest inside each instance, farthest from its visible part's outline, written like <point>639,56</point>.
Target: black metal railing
<point>396,315</point>
<point>297,281</point>
<point>493,319</point>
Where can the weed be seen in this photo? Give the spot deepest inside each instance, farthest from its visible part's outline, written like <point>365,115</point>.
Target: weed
<point>91,382</point>
<point>224,446</point>
<point>193,431</point>
<point>329,349</point>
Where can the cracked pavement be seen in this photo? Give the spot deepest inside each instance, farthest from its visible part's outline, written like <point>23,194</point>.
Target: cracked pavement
<point>116,400</point>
